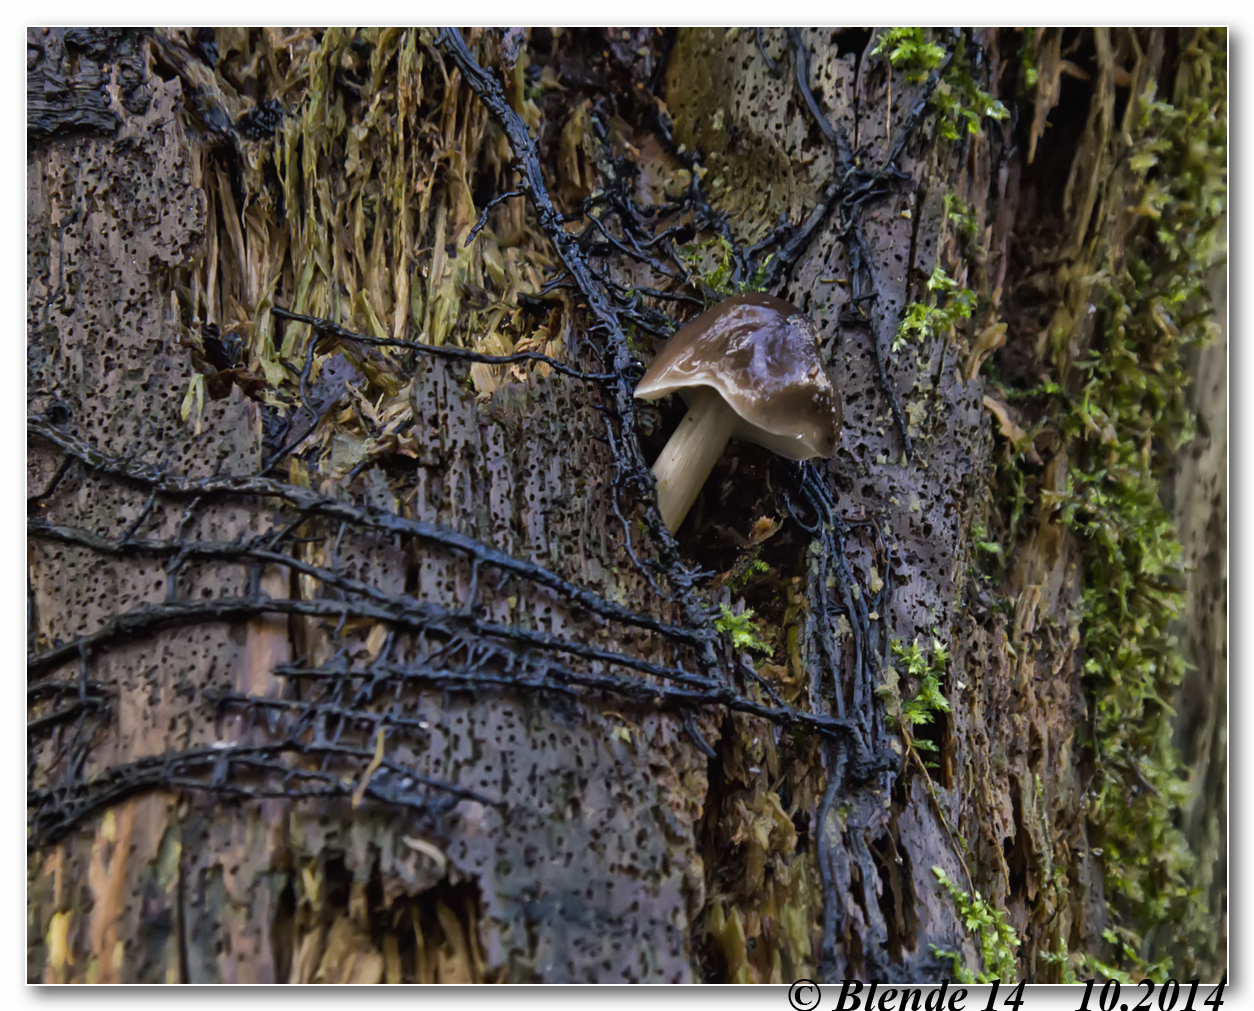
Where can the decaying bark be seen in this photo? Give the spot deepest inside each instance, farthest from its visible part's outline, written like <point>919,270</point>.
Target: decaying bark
<point>358,649</point>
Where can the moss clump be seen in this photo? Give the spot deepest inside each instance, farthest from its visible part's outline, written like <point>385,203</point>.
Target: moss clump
<point>712,261</point>
<point>998,941</point>
<point>961,217</point>
<point>747,574</point>
<point>1129,419</point>
<point>742,629</point>
<point>1027,57</point>
<point>909,49</point>
<point>929,700</point>
<point>1122,412</point>
<point>959,102</point>
<point>947,305</point>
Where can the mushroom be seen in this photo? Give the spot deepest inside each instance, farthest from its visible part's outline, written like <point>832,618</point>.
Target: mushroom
<point>747,368</point>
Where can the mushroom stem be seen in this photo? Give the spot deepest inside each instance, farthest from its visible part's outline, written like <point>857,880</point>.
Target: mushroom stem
<point>694,448</point>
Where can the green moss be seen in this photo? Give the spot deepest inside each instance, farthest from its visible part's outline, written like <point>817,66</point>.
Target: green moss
<point>1129,418</point>
<point>947,305</point>
<point>961,216</point>
<point>1061,958</point>
<point>1027,56</point>
<point>909,49</point>
<point>712,260</point>
<point>742,629</point>
<point>1125,949</point>
<point>959,102</point>
<point>984,546</point>
<point>998,941</point>
<point>928,700</point>
<point>1122,412</point>
<point>747,574</point>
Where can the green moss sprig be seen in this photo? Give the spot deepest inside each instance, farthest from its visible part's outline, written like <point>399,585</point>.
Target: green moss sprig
<point>929,699</point>
<point>921,708</point>
<point>999,944</point>
<point>909,49</point>
<point>960,216</point>
<point>717,276</point>
<point>947,305</point>
<point>959,102</point>
<point>742,629</point>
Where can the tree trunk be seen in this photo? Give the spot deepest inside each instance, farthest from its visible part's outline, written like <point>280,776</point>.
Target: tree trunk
<point>358,649</point>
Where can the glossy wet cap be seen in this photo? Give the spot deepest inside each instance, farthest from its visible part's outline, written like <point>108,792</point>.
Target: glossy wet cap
<point>762,355</point>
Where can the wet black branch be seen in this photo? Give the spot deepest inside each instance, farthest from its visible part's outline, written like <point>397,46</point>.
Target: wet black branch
<point>402,610</point>
<point>548,676</point>
<point>238,770</point>
<point>312,504</point>
<point>326,326</point>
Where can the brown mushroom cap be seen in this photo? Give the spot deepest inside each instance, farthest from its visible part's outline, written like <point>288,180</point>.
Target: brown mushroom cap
<point>761,354</point>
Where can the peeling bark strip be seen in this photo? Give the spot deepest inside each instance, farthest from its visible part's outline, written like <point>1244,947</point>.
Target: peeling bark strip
<point>359,651</point>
